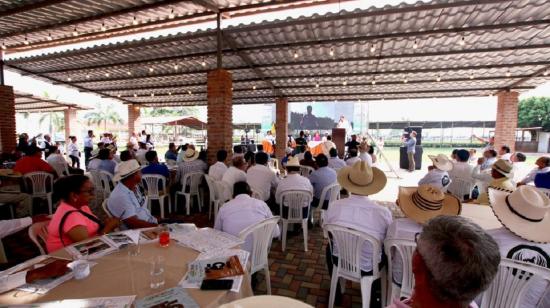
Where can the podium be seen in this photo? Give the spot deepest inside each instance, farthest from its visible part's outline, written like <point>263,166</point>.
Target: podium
<point>339,139</point>
<point>404,159</point>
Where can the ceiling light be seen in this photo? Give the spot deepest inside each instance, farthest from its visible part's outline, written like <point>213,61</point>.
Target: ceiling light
<point>471,76</point>
<point>463,41</point>
<point>405,80</point>
<point>50,38</point>
<point>295,55</point>
<point>372,48</point>
<point>69,79</point>
<point>373,80</point>
<point>170,93</point>
<point>415,45</point>
<point>118,95</point>
<point>26,42</point>
<point>203,63</point>
<point>331,52</point>
<point>103,28</point>
<point>135,95</point>
<point>172,15</point>
<point>253,87</point>
<point>317,85</point>
<point>508,74</point>
<point>107,74</point>
<point>176,67</point>
<point>75,32</point>
<point>189,92</point>
<point>4,46</point>
<point>152,94</point>
<point>545,73</point>
<point>438,78</point>
<point>129,73</point>
<point>134,22</point>
<point>87,76</point>
<point>345,83</point>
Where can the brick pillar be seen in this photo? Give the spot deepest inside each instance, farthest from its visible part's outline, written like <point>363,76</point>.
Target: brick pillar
<point>281,126</point>
<point>507,120</point>
<point>220,113</point>
<point>71,124</point>
<point>8,135</point>
<point>134,116</point>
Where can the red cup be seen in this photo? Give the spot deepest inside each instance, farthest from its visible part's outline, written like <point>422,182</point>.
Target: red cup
<point>164,238</point>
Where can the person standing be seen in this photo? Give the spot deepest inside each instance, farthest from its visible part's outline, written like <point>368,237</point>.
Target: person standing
<point>411,150</point>
<point>74,153</point>
<point>88,147</point>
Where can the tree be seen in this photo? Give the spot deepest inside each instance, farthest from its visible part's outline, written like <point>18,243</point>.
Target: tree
<point>172,111</point>
<point>534,112</point>
<point>56,121</point>
<point>103,114</point>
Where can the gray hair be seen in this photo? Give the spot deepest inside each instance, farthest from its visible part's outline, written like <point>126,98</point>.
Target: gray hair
<point>461,257</point>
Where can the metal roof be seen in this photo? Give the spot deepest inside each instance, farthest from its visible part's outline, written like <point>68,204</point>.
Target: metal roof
<point>25,102</point>
<point>420,50</point>
<point>31,24</point>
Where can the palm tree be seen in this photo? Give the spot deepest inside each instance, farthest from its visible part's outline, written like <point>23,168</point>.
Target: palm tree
<point>56,121</point>
<point>103,114</point>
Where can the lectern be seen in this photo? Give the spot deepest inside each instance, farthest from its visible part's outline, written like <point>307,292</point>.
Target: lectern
<point>339,138</point>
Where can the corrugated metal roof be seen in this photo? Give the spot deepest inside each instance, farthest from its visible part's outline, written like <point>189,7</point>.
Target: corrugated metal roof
<point>434,49</point>
<point>25,102</point>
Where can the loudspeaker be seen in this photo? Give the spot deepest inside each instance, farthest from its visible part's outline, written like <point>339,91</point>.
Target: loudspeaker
<point>404,159</point>
<point>418,130</point>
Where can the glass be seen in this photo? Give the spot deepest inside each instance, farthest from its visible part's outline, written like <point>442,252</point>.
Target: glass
<point>164,236</point>
<point>133,249</point>
<point>157,272</point>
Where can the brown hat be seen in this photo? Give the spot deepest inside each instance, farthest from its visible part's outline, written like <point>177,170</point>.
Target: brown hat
<point>426,201</point>
<point>503,167</point>
<point>360,179</point>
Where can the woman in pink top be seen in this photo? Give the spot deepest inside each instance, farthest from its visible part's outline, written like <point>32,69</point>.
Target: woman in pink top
<point>73,221</point>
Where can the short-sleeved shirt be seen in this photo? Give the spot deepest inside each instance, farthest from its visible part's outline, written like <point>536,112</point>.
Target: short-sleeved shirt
<point>28,164</point>
<point>156,169</point>
<point>217,170</point>
<point>293,181</point>
<point>76,219</point>
<point>124,204</point>
<point>352,144</point>
<point>107,165</point>
<point>336,163</point>
<point>320,179</point>
<point>171,155</point>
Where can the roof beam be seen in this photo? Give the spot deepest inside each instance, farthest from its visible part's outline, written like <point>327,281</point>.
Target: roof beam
<point>526,78</point>
<point>30,7</point>
<point>207,5</point>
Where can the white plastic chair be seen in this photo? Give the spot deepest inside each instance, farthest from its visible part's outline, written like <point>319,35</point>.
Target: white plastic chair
<point>171,162</point>
<point>460,187</point>
<point>41,186</point>
<point>262,235</point>
<point>350,250</point>
<point>62,169</point>
<point>295,201</point>
<point>403,249</point>
<point>155,189</point>
<point>545,191</point>
<point>215,199</point>
<point>98,187</point>
<point>106,179</point>
<point>306,171</point>
<point>333,192</point>
<point>39,232</point>
<point>191,180</point>
<point>511,283</point>
<point>106,209</point>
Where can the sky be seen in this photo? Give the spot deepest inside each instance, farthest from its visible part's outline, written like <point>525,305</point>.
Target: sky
<point>482,108</point>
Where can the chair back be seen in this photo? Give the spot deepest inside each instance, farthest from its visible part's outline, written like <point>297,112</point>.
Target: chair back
<point>306,171</point>
<point>106,209</point>
<point>262,234</point>
<point>273,164</point>
<point>545,191</point>
<point>332,191</point>
<point>212,188</point>
<point>512,282</point>
<point>460,187</point>
<point>295,200</point>
<point>154,185</point>
<point>403,249</point>
<point>62,169</point>
<point>106,179</point>
<point>38,183</point>
<point>192,180</point>
<point>171,162</point>
<point>38,232</point>
<point>350,250</point>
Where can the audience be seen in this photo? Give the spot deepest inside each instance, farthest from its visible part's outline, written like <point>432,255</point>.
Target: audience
<point>328,145</point>
<point>488,159</point>
<point>499,178</point>
<point>126,201</point>
<point>238,150</point>
<point>93,164</point>
<point>461,168</point>
<point>242,212</point>
<point>172,153</point>
<point>181,153</point>
<point>261,178</point>
<point>154,166</point>
<point>542,180</point>
<point>250,159</point>
<point>73,221</point>
<point>473,156</point>
<point>519,166</point>
<point>126,155</point>
<point>437,173</point>
<point>106,162</point>
<point>504,152</point>
<point>140,153</point>
<point>190,164</point>
<point>51,270</point>
<point>321,178</point>
<point>235,173</point>
<point>353,143</point>
<point>73,152</point>
<point>217,170</point>
<point>334,161</point>
<point>293,181</point>
<point>543,166</point>
<point>308,160</point>
<point>364,152</point>
<point>352,159</point>
<point>33,162</point>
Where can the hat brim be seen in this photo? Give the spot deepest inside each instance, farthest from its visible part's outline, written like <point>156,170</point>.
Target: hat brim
<point>378,182</point>
<point>117,177</point>
<point>192,158</point>
<point>531,231</point>
<point>451,206</point>
<point>446,166</point>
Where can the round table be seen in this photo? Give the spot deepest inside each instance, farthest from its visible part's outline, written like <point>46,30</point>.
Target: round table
<point>119,274</point>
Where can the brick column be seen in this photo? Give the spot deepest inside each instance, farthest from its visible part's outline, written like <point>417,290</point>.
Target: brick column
<point>71,124</point>
<point>220,113</point>
<point>507,120</point>
<point>281,126</point>
<point>134,116</point>
<point>8,135</point>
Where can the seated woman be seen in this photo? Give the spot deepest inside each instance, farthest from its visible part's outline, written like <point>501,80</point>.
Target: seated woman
<point>73,221</point>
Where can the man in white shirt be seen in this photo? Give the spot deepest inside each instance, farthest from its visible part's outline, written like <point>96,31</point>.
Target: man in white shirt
<point>488,159</point>
<point>328,145</point>
<point>358,212</point>
<point>293,181</point>
<point>261,178</point>
<point>437,174</point>
<point>543,166</point>
<point>269,137</point>
<point>334,161</point>
<point>504,152</point>
<point>217,170</point>
<point>88,147</point>
<point>364,152</point>
<point>234,174</point>
<point>499,177</point>
<point>94,162</point>
<point>520,168</point>
<point>140,154</point>
<point>461,168</point>
<point>352,157</point>
<point>242,212</point>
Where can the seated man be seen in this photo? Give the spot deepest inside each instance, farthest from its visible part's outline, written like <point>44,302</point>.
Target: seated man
<point>328,145</point>
<point>140,153</point>
<point>33,162</point>
<point>321,178</point>
<point>154,166</point>
<point>308,160</point>
<point>235,173</point>
<point>217,170</point>
<point>358,212</point>
<point>451,251</point>
<point>172,153</point>
<point>499,178</point>
<point>519,166</point>
<point>488,159</point>
<point>461,168</point>
<point>353,143</point>
<point>521,239</point>
<point>353,158</point>
<point>261,178</point>
<point>334,161</point>
<point>504,152</point>
<point>543,166</point>
<point>293,181</point>
<point>106,161</point>
<point>242,212</point>
<point>93,164</point>
<point>126,202</point>
<point>437,174</point>
<point>190,164</point>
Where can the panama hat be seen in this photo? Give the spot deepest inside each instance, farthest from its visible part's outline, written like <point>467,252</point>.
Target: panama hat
<point>94,153</point>
<point>441,162</point>
<point>360,179</point>
<point>190,155</point>
<point>525,212</point>
<point>125,169</point>
<point>293,162</point>
<point>426,201</point>
<point>503,167</point>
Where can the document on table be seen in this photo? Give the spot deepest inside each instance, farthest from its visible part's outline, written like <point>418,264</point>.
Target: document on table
<point>207,239</point>
<point>121,239</point>
<point>93,249</point>
<point>96,302</point>
<point>173,297</point>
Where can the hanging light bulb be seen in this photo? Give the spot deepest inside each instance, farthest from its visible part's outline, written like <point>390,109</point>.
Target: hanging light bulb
<point>295,55</point>
<point>103,28</point>
<point>152,94</point>
<point>4,46</point>
<point>189,92</point>
<point>438,78</point>
<point>69,79</point>
<point>134,22</point>
<point>135,94</point>
<point>345,83</point>
<point>405,80</point>
<point>151,69</point>
<point>118,95</point>
<point>107,74</point>
<point>508,74</point>
<point>170,93</point>
<point>26,42</point>
<point>373,80</point>
<point>372,48</point>
<point>463,41</point>
<point>172,15</point>
<point>415,45</point>
<point>317,85</point>
<point>75,32</point>
<point>50,38</point>
<point>254,87</point>
<point>176,67</point>
<point>87,76</point>
<point>331,52</point>
<point>129,73</point>
<point>203,63</point>
<point>471,75</point>
<point>545,73</point>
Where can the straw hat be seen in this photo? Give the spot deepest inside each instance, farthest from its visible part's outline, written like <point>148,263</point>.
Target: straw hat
<point>125,169</point>
<point>360,179</point>
<point>426,201</point>
<point>441,162</point>
<point>293,162</point>
<point>525,212</point>
<point>190,155</point>
<point>94,153</point>
<point>503,167</point>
